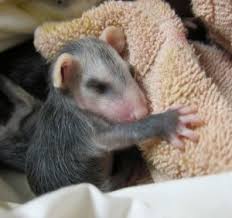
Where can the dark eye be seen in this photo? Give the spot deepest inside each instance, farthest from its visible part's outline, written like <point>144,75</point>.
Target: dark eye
<point>98,86</point>
<point>60,2</point>
<point>132,70</point>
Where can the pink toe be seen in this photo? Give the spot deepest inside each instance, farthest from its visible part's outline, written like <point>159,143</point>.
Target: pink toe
<point>176,142</point>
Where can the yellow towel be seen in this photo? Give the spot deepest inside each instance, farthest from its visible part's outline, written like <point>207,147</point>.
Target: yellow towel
<point>171,70</point>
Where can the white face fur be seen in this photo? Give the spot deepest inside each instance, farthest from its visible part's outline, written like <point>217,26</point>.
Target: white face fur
<point>99,79</point>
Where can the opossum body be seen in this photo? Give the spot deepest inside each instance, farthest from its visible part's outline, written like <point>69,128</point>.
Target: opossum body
<point>94,108</point>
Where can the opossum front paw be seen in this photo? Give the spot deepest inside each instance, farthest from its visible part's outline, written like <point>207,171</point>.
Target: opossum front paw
<point>186,118</point>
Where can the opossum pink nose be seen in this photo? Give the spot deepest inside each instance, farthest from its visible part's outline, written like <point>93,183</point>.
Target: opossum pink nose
<point>140,112</point>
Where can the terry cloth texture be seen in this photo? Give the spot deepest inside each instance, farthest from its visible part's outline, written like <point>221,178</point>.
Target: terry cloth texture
<point>217,16</point>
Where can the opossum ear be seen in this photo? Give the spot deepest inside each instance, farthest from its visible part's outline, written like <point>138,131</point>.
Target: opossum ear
<point>115,37</point>
<point>65,71</point>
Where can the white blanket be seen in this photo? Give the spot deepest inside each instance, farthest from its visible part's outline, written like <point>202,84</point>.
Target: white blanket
<point>203,197</point>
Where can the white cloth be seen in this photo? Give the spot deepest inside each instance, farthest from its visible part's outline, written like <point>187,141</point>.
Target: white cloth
<point>202,197</point>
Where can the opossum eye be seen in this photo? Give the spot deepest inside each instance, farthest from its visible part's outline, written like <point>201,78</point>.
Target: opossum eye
<point>98,86</point>
<point>60,2</point>
<point>132,70</point>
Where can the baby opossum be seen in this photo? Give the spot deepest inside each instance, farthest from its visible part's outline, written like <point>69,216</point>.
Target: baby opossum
<point>26,68</point>
<point>94,108</point>
<point>196,29</point>
<point>15,135</point>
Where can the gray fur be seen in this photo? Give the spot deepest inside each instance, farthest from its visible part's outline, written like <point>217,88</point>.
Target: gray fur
<point>60,144</point>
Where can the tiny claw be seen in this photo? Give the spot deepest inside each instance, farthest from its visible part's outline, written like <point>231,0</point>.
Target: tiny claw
<point>190,134</point>
<point>175,107</point>
<point>187,110</point>
<point>176,142</point>
<point>193,119</point>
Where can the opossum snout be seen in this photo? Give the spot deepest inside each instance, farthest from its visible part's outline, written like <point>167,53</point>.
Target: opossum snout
<point>133,109</point>
<point>140,112</point>
<point>138,104</point>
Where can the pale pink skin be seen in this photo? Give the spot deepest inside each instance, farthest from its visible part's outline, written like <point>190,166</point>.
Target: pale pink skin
<point>130,107</point>
<point>126,104</point>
